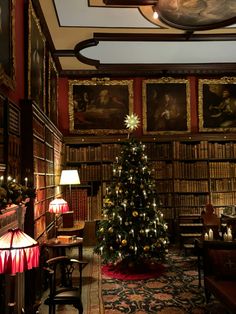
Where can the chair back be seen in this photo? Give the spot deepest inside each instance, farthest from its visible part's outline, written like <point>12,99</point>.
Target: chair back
<point>61,273</point>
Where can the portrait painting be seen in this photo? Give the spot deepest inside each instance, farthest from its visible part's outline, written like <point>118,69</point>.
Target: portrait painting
<point>7,43</point>
<point>217,104</point>
<point>36,61</point>
<point>52,91</point>
<point>99,106</point>
<point>166,106</point>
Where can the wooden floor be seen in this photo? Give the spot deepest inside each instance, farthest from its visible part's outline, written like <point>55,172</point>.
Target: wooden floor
<point>91,297</point>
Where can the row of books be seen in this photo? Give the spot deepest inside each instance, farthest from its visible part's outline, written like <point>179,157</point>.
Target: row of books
<point>39,128</point>
<point>222,150</point>
<point>83,154</point>
<point>191,200</point>
<point>198,170</point>
<point>162,170</point>
<point>164,186</point>
<point>222,169</point>
<point>224,199</point>
<point>84,205</point>
<point>191,186</point>
<point>190,210</point>
<point>158,150</point>
<point>42,180</point>
<point>223,185</point>
<point>49,137</point>
<point>38,148</point>
<point>190,150</point>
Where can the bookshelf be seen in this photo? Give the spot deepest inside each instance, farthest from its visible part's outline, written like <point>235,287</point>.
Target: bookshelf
<point>42,159</point>
<point>190,170</point>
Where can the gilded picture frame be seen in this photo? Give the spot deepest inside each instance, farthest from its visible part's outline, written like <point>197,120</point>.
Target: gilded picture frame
<point>99,106</point>
<point>7,43</point>
<point>166,106</point>
<point>217,104</point>
<point>52,95</point>
<point>36,60</point>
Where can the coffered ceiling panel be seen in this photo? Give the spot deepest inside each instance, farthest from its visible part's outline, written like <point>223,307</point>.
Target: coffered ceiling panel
<point>130,34</point>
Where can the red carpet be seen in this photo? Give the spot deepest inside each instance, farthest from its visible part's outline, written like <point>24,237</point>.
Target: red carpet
<point>130,274</point>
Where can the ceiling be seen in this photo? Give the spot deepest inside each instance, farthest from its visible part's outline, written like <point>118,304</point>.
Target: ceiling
<point>89,36</point>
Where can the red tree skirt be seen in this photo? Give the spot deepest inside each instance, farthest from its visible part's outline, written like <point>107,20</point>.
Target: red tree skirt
<point>146,272</point>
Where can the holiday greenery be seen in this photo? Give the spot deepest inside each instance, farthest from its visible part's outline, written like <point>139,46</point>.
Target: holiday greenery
<point>12,192</point>
<point>132,229</point>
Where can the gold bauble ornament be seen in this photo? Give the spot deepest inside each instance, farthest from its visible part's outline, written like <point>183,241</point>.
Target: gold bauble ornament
<point>111,248</point>
<point>146,248</point>
<point>101,230</point>
<point>131,247</point>
<point>110,230</point>
<point>134,213</point>
<point>124,242</point>
<point>142,231</point>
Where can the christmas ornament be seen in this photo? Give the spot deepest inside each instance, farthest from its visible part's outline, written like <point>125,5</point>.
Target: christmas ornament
<point>134,213</point>
<point>110,230</point>
<point>124,242</point>
<point>146,248</point>
<point>132,122</point>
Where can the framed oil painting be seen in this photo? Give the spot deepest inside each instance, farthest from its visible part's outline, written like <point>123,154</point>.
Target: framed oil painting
<point>52,90</point>
<point>166,106</point>
<point>36,60</point>
<point>99,106</point>
<point>7,43</point>
<point>217,104</point>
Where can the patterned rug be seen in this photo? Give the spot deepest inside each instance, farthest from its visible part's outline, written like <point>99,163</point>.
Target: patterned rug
<point>176,291</point>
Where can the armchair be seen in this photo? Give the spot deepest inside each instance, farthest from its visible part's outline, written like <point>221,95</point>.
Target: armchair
<point>62,288</point>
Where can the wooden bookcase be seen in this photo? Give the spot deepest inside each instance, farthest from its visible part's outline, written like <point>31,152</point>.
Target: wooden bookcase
<point>190,170</point>
<point>42,158</point>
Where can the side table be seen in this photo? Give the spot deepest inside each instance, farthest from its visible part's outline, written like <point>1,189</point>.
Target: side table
<point>77,230</point>
<point>59,248</point>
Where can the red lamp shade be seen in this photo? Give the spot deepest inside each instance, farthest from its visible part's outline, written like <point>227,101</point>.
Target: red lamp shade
<point>58,206</point>
<point>18,252</point>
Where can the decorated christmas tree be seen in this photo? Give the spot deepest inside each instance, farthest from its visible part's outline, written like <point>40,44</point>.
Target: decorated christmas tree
<point>132,230</point>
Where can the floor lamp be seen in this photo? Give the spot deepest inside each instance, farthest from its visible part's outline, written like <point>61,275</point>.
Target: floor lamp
<point>18,253</point>
<point>58,206</point>
<point>69,177</point>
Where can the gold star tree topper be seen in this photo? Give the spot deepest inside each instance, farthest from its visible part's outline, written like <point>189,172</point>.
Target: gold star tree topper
<point>132,122</point>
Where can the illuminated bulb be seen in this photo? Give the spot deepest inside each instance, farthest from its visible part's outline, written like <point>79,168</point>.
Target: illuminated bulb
<point>155,15</point>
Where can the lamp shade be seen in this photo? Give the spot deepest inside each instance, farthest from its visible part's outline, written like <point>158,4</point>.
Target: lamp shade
<point>69,177</point>
<point>18,252</point>
<point>58,206</point>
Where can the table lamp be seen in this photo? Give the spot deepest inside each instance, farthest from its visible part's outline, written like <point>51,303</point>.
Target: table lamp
<point>18,252</point>
<point>58,206</point>
<point>69,177</point>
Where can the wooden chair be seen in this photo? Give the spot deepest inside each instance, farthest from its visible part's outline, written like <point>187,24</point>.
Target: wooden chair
<point>62,289</point>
